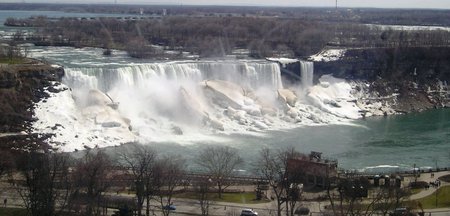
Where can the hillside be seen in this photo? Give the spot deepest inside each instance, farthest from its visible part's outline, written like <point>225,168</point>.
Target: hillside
<point>416,76</point>
<point>21,85</point>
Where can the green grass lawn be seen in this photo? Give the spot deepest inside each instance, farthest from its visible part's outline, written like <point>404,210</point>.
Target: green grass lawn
<point>12,61</point>
<point>443,199</point>
<point>416,190</point>
<point>12,211</point>
<point>243,198</point>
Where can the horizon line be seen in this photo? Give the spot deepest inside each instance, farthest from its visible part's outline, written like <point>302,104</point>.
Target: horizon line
<point>223,5</point>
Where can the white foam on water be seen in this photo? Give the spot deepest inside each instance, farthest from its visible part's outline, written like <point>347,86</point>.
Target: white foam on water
<point>173,102</point>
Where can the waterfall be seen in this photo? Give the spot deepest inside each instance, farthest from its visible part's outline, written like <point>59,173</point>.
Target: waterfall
<point>155,98</point>
<point>116,100</point>
<point>247,74</point>
<point>307,73</point>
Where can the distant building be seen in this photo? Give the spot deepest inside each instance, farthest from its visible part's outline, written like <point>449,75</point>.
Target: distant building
<point>312,170</point>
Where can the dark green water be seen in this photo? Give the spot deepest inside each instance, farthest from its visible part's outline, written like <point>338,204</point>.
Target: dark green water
<point>400,141</point>
<point>378,144</point>
<point>381,144</point>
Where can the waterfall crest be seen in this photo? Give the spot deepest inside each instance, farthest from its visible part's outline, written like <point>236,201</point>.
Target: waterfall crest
<point>247,74</point>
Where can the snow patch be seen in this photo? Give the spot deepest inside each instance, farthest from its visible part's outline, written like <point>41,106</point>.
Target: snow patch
<point>328,55</point>
<point>283,61</point>
<point>334,95</point>
<point>73,129</point>
<point>408,27</point>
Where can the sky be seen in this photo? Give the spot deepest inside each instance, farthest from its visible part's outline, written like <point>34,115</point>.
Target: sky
<point>439,4</point>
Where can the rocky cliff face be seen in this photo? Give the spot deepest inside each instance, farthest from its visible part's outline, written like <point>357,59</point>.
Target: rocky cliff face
<point>404,79</point>
<point>21,86</point>
<point>418,64</point>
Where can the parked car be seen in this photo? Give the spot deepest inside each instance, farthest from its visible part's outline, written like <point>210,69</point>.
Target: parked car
<point>248,212</point>
<point>402,211</point>
<point>170,207</point>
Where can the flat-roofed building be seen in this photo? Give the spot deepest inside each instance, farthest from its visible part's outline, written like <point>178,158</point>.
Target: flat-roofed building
<point>312,169</point>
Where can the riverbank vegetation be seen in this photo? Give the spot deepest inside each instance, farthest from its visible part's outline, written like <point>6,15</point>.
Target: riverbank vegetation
<point>267,33</point>
<point>13,53</point>
<point>90,182</point>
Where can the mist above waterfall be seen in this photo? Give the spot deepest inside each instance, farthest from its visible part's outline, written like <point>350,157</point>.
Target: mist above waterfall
<point>186,102</point>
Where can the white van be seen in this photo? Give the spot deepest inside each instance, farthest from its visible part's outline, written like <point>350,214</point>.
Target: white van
<point>248,212</point>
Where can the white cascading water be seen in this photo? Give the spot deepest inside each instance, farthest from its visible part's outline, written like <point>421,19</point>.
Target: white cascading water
<point>307,73</point>
<point>159,99</point>
<point>249,75</point>
<point>182,102</point>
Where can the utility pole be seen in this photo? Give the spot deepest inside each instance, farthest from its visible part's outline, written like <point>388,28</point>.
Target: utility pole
<point>336,4</point>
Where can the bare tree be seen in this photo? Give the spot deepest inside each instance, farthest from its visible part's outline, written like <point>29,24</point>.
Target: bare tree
<point>46,188</point>
<point>272,168</point>
<point>292,179</point>
<point>330,195</point>
<point>219,162</point>
<point>140,161</point>
<point>284,183</point>
<point>139,47</point>
<point>351,192</point>
<point>13,50</point>
<point>6,162</point>
<point>387,198</point>
<point>168,173</point>
<point>91,176</point>
<point>202,189</point>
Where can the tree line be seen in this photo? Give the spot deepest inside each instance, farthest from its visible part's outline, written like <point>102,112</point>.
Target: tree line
<point>205,36</point>
<point>57,183</point>
<point>12,51</point>
<point>219,36</point>
<point>60,184</point>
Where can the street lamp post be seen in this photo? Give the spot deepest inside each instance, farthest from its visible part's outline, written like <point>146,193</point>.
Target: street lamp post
<point>415,173</point>
<point>436,193</point>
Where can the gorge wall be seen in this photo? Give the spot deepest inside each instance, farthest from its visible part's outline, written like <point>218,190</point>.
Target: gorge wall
<point>408,78</point>
<point>22,85</point>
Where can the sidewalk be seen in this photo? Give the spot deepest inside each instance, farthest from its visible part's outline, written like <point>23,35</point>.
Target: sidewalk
<point>426,177</point>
